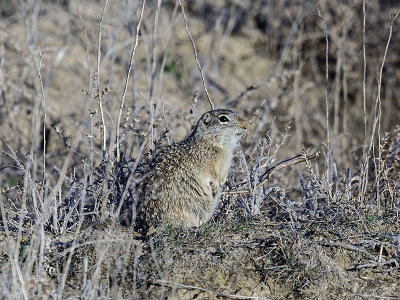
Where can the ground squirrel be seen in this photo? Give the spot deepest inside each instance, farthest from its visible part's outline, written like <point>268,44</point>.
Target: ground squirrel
<point>184,180</point>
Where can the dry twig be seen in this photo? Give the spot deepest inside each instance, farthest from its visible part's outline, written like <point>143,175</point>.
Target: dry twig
<point>196,56</point>
<point>98,81</point>
<point>192,287</point>
<point>121,107</point>
<point>280,165</point>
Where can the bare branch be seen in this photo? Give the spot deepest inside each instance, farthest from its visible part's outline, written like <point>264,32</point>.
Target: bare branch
<point>196,56</point>
<point>280,165</point>
<point>98,81</point>
<point>192,287</point>
<point>121,107</point>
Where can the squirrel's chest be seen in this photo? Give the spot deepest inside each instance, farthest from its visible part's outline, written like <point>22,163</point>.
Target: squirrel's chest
<point>215,176</point>
<point>220,168</point>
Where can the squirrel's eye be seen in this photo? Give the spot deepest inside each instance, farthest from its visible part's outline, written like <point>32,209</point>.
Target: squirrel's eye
<point>223,119</point>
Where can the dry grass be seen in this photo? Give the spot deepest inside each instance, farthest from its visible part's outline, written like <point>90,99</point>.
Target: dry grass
<point>88,91</point>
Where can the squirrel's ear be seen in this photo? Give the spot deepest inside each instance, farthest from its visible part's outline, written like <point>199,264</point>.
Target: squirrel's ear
<point>206,118</point>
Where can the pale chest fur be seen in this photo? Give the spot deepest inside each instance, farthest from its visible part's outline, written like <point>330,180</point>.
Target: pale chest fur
<point>215,171</point>
<point>222,165</point>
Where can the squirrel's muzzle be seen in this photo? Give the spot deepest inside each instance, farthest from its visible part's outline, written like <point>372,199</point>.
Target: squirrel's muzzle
<point>243,123</point>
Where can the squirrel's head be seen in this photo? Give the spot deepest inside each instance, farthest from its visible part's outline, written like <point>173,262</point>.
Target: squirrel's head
<point>223,126</point>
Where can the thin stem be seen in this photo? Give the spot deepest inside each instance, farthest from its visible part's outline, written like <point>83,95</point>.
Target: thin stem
<point>196,56</point>
<point>99,93</point>
<point>153,71</point>
<point>121,108</point>
<point>328,146</point>
<point>378,116</point>
<point>364,82</point>
<point>379,102</point>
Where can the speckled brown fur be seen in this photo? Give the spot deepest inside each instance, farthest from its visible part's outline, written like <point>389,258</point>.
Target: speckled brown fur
<point>184,181</point>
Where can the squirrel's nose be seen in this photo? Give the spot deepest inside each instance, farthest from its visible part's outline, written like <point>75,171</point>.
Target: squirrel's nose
<point>243,123</point>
